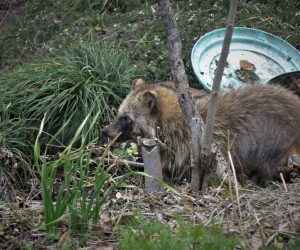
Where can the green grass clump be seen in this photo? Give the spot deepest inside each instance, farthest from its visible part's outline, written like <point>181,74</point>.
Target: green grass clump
<point>146,235</point>
<point>15,149</point>
<point>14,135</point>
<point>85,78</point>
<point>79,196</point>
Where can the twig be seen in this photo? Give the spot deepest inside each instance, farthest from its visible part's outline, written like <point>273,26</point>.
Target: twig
<point>229,146</point>
<point>283,181</point>
<point>228,169</point>
<point>119,161</point>
<point>271,238</point>
<point>237,199</point>
<point>261,231</point>
<point>235,183</point>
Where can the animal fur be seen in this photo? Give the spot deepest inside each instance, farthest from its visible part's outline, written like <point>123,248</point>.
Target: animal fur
<point>263,121</point>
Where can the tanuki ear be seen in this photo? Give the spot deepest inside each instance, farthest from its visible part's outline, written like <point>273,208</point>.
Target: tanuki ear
<point>150,100</point>
<point>137,82</point>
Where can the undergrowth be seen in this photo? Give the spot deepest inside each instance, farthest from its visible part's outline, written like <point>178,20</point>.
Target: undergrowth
<point>80,195</point>
<point>14,134</point>
<point>85,78</point>
<point>15,149</point>
<point>143,234</point>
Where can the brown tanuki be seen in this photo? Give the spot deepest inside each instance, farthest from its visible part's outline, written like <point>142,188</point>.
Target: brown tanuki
<point>263,122</point>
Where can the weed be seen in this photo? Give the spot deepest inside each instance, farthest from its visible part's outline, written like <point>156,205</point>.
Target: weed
<point>80,197</point>
<point>144,234</point>
<point>125,152</point>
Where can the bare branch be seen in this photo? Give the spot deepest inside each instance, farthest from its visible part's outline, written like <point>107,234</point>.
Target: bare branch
<point>210,119</point>
<point>176,62</point>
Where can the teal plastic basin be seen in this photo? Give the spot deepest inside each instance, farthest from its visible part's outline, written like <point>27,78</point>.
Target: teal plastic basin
<point>271,55</point>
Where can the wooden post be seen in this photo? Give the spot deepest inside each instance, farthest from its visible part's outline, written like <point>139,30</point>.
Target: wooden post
<point>197,130</point>
<point>152,165</point>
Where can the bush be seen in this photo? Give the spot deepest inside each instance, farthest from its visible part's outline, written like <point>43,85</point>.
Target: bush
<point>85,78</point>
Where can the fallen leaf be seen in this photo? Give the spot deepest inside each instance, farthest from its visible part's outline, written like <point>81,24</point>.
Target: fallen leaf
<point>245,65</point>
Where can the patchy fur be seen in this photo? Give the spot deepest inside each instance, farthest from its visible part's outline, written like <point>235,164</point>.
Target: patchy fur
<point>263,121</point>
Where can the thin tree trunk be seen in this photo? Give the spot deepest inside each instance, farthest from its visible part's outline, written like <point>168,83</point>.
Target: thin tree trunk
<point>176,62</point>
<point>182,87</point>
<point>208,133</point>
<point>195,123</point>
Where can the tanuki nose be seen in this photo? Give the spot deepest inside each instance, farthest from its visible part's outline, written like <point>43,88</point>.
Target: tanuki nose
<point>104,132</point>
